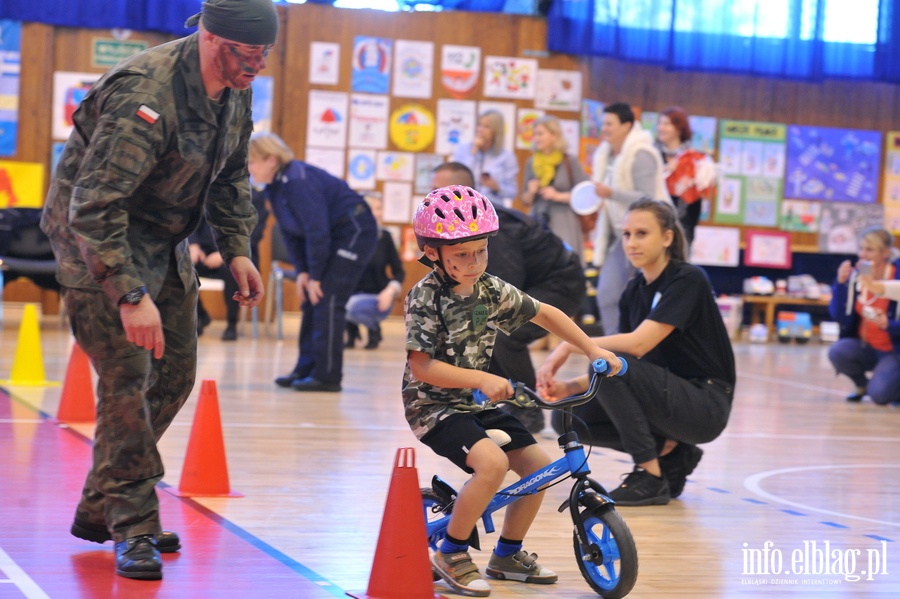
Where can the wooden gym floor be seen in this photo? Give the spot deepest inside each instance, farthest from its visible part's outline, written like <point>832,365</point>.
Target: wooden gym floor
<point>798,479</point>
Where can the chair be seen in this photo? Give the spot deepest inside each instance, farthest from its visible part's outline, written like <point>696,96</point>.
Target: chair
<point>25,251</point>
<point>276,277</point>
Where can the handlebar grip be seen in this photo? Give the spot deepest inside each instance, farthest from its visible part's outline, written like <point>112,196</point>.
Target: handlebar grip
<point>479,397</point>
<point>601,366</point>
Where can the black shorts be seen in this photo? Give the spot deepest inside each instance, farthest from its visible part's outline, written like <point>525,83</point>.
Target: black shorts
<point>455,435</point>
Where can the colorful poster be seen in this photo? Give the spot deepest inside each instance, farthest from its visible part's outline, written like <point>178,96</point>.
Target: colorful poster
<point>716,246</point>
<point>412,127</point>
<point>768,249</point>
<point>801,216</point>
<point>329,160</point>
<point>508,110</point>
<point>425,164</point>
<point>558,90</point>
<point>263,92</point>
<point>10,66</point>
<point>833,164</point>
<point>890,198</point>
<point>361,169</point>
<point>413,69</point>
<point>369,121</point>
<point>326,120</point>
<point>841,224</point>
<point>371,65</point>
<point>69,89</point>
<point>591,118</point>
<point>455,125</point>
<point>324,63</point>
<point>509,77</point>
<point>21,184</point>
<point>394,166</point>
<point>751,158</point>
<point>525,119</point>
<point>460,68</point>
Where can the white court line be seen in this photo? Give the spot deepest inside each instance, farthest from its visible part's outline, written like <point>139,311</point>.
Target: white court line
<point>752,484</point>
<point>20,421</point>
<point>18,577</point>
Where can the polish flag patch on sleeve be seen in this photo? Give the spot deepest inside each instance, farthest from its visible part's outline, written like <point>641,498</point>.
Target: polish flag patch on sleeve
<point>148,114</point>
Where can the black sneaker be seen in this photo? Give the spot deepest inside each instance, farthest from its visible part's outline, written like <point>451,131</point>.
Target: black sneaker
<point>641,488</point>
<point>857,396</point>
<point>678,464</point>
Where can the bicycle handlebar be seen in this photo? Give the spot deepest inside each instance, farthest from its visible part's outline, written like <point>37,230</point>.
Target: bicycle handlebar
<point>524,397</point>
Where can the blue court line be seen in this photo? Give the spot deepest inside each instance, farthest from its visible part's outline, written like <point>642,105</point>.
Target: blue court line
<point>833,524</point>
<point>879,538</point>
<point>258,543</point>
<point>793,512</point>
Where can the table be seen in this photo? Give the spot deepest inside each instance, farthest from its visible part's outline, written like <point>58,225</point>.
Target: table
<point>762,307</point>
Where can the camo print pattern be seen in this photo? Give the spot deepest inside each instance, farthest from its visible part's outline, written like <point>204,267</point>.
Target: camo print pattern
<point>464,338</point>
<point>137,399</point>
<point>128,191</point>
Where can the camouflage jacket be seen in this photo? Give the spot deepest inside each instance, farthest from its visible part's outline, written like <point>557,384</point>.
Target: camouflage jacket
<point>148,153</point>
<point>459,331</point>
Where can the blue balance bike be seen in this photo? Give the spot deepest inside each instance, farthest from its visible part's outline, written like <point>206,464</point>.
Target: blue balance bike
<point>604,548</point>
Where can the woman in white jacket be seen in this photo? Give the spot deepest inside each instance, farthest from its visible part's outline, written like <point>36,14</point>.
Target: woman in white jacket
<point>627,166</point>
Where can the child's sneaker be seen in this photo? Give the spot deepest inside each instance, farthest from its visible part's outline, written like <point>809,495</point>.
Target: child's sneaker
<point>458,570</point>
<point>520,566</point>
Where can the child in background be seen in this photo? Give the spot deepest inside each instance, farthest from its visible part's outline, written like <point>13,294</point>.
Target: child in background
<point>452,319</point>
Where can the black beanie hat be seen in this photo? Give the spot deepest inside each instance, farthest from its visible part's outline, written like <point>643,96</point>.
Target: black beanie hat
<point>253,22</point>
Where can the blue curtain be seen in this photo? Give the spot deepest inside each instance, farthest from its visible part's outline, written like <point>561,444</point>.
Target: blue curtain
<point>737,36</point>
<point>167,16</point>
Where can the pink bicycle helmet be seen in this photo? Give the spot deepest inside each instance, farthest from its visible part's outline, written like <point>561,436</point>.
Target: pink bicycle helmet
<point>454,214</point>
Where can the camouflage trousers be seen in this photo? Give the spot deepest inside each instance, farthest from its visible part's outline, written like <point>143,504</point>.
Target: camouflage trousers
<point>137,399</point>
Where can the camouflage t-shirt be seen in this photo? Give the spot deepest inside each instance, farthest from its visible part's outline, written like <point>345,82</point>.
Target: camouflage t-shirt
<point>460,331</point>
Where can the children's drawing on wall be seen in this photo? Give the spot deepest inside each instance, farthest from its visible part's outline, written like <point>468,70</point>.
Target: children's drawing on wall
<point>833,164</point>
<point>324,63</point>
<point>801,216</point>
<point>842,222</point>
<point>460,68</point>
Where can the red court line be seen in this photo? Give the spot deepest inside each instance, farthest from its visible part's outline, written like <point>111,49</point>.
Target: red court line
<point>42,468</point>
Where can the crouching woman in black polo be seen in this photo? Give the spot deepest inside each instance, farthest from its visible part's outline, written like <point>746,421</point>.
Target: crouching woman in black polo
<point>681,375</point>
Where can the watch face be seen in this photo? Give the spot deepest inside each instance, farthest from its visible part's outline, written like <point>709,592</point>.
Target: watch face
<point>134,296</point>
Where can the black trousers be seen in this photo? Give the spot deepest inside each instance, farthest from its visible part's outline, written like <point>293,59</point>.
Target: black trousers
<point>637,412</point>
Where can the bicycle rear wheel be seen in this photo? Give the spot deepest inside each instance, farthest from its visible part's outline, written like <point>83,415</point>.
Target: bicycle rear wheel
<point>611,565</point>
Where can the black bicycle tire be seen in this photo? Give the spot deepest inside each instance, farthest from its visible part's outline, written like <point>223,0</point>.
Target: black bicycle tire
<point>624,582</point>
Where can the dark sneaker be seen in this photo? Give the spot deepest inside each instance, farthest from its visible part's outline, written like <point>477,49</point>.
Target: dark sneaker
<point>857,396</point>
<point>458,570</point>
<point>678,464</point>
<point>520,566</point>
<point>641,488</point>
<point>295,375</point>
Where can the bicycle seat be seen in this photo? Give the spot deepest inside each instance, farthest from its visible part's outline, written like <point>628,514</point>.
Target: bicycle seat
<point>499,437</point>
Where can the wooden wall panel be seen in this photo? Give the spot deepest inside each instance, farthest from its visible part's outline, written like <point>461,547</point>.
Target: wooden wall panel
<point>834,103</point>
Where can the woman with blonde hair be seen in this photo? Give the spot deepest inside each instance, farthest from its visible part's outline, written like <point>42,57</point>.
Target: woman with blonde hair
<point>550,175</point>
<point>870,325</point>
<point>329,232</point>
<point>496,169</point>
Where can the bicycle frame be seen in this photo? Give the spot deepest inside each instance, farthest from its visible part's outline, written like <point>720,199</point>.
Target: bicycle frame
<point>572,464</point>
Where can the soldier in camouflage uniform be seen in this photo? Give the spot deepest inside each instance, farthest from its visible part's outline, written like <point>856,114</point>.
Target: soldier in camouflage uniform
<point>160,139</point>
<point>452,319</point>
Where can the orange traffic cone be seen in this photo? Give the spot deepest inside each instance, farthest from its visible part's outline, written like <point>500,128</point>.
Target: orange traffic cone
<point>205,472</point>
<point>401,568</point>
<point>76,404</point>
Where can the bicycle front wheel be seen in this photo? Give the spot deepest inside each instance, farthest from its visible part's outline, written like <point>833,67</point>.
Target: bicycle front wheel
<point>610,565</point>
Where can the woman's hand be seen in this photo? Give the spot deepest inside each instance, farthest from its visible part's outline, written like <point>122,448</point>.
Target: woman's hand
<point>555,391</point>
<point>603,191</point>
<point>843,272</point>
<point>302,282</point>
<point>867,283</point>
<point>553,362</point>
<point>314,291</point>
<point>554,195</point>
<point>386,298</point>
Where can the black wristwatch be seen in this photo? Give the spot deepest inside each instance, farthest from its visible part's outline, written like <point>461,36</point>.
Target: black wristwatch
<point>134,296</point>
